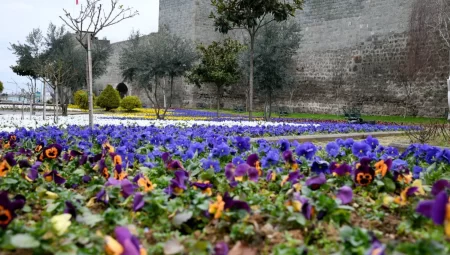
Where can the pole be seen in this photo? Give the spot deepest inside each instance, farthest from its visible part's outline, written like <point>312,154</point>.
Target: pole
<point>91,99</point>
<point>43,100</point>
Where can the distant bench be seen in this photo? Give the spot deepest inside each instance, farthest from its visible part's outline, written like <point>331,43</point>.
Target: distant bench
<point>239,109</point>
<point>353,116</point>
<point>283,111</point>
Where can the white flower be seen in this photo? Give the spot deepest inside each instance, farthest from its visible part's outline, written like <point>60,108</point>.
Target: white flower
<point>13,122</point>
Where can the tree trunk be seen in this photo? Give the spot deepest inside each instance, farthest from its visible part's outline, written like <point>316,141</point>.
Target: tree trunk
<point>218,100</point>
<point>44,102</point>
<point>23,108</point>
<point>448,89</point>
<point>164,92</point>
<point>270,106</point>
<point>31,106</point>
<point>90,91</point>
<point>64,109</point>
<point>56,103</point>
<point>171,91</point>
<point>250,87</point>
<point>156,104</point>
<point>64,100</point>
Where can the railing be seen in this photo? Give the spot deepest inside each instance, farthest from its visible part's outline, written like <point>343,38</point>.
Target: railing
<point>37,106</point>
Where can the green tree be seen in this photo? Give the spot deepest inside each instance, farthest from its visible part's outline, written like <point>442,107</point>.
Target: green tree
<point>274,51</point>
<point>1,87</point>
<point>130,102</point>
<point>149,60</point>
<point>251,15</point>
<point>80,99</point>
<point>29,60</point>
<point>109,98</point>
<point>63,48</point>
<point>219,66</point>
<point>57,60</point>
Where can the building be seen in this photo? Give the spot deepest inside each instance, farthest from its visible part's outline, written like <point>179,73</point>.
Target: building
<point>347,57</point>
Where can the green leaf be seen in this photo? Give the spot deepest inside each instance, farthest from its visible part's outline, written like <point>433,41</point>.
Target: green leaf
<point>52,207</point>
<point>346,232</point>
<point>181,218</point>
<point>390,185</point>
<point>26,208</point>
<point>431,167</point>
<point>208,175</point>
<point>346,207</point>
<point>10,181</point>
<point>24,241</point>
<point>79,172</point>
<point>204,206</point>
<point>91,219</point>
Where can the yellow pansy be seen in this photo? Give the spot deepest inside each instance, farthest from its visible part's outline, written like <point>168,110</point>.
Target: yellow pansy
<point>61,223</point>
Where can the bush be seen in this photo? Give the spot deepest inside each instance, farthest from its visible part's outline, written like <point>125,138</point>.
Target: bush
<point>109,98</point>
<point>130,102</point>
<point>80,98</point>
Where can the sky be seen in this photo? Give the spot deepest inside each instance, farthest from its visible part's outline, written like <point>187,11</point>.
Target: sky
<point>19,17</point>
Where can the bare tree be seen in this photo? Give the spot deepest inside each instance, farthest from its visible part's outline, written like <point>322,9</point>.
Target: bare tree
<point>437,19</point>
<point>440,20</point>
<point>92,19</point>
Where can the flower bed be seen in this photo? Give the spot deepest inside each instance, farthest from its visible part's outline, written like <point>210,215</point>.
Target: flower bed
<point>224,127</point>
<point>202,190</point>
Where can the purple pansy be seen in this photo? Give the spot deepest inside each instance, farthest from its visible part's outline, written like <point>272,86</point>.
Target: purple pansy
<point>54,176</point>
<point>332,149</point>
<point>138,202</point>
<point>70,209</point>
<point>8,208</point>
<point>372,142</point>
<point>210,164</point>
<point>319,167</point>
<point>360,149</point>
<point>232,204</point>
<point>435,209</point>
<point>340,169</point>
<point>307,150</point>
<point>242,143</point>
<point>306,207</point>
<point>130,243</point>
<point>345,194</point>
<point>315,182</point>
<point>439,186</point>
<point>178,184</point>
<point>221,248</point>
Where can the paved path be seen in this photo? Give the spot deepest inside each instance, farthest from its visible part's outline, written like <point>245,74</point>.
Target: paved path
<point>330,137</point>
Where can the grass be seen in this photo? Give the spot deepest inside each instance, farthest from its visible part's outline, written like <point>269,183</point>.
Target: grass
<point>394,119</point>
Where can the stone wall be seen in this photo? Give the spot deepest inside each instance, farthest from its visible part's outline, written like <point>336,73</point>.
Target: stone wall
<point>347,57</point>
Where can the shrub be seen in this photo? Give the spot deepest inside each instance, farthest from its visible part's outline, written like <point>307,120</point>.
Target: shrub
<point>80,98</point>
<point>109,98</point>
<point>130,102</point>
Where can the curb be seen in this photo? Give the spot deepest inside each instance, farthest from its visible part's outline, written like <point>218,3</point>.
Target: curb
<point>329,137</point>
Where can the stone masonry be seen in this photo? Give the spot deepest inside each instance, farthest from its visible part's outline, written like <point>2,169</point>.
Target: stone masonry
<point>345,59</point>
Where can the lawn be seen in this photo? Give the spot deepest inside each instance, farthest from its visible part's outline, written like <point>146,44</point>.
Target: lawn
<point>310,116</point>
